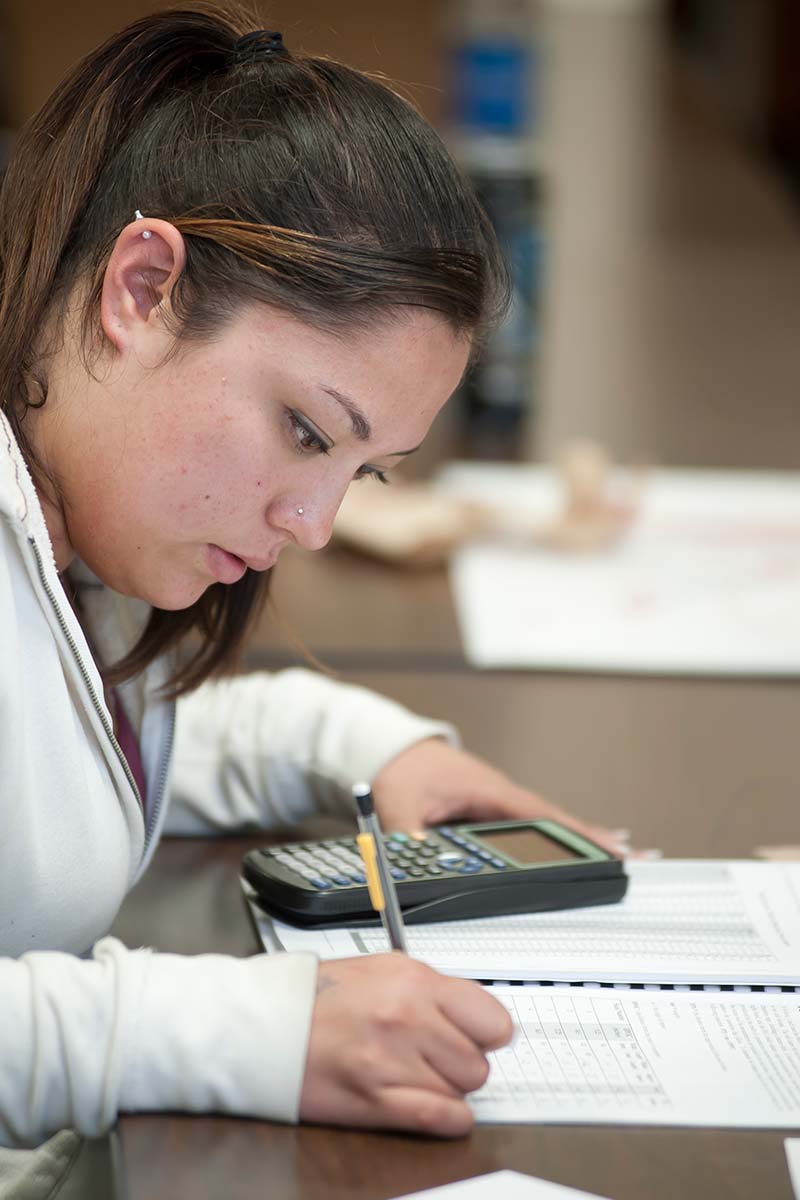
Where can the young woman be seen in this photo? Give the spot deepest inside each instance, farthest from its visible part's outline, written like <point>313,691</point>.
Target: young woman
<point>232,281</point>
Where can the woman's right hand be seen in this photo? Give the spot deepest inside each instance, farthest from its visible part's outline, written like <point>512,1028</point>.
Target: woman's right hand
<point>395,1045</point>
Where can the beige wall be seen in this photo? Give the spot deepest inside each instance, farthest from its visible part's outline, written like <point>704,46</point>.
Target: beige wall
<point>42,38</point>
<point>672,303</point>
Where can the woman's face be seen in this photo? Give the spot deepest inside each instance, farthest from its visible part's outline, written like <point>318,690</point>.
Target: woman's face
<point>175,475</point>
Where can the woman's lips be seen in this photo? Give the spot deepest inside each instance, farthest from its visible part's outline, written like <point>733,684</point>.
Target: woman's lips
<point>225,567</point>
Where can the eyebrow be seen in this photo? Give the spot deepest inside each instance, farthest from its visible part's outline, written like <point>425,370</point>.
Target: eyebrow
<point>361,426</point>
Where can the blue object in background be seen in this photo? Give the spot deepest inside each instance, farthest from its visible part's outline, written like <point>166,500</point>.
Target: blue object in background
<point>494,61</point>
<point>492,87</point>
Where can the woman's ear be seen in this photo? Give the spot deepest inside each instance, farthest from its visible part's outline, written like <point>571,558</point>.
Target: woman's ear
<point>147,259</point>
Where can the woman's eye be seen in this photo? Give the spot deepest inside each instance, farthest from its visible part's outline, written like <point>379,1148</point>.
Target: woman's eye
<point>306,438</point>
<point>308,441</point>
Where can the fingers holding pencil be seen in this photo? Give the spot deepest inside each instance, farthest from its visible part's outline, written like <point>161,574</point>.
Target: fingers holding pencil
<point>395,1045</point>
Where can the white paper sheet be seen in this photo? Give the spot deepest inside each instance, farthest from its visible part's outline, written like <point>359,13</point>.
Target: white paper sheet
<point>646,1058</point>
<point>707,581</point>
<point>792,1146</point>
<point>500,1185</point>
<point>683,921</point>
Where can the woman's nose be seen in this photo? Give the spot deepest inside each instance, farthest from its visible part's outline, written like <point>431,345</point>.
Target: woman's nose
<point>308,522</point>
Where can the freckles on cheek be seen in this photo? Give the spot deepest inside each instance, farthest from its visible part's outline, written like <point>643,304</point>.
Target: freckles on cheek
<point>200,504</point>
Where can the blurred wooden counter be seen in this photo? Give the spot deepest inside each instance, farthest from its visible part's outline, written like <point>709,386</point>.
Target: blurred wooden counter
<point>692,766</point>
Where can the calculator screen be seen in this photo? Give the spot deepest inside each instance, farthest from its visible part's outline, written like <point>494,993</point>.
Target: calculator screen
<point>527,845</point>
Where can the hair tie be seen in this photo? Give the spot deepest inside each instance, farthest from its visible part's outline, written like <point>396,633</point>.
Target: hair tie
<point>261,43</point>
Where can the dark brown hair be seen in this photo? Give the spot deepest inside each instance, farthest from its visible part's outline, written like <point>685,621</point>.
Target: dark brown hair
<point>296,182</point>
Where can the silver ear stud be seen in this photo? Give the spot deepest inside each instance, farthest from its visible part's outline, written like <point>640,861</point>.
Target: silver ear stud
<point>146,233</point>
<point>300,512</point>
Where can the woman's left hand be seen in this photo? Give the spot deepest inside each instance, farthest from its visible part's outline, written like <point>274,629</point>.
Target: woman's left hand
<point>432,783</point>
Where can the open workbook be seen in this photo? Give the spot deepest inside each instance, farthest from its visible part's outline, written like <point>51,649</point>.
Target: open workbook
<point>619,1010</point>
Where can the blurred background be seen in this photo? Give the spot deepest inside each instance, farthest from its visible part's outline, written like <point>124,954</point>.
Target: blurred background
<point>641,161</point>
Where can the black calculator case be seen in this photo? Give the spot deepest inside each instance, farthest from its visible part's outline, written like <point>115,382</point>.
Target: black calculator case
<point>571,884</point>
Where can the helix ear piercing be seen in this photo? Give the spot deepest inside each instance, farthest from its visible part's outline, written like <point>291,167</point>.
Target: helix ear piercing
<point>146,233</point>
<point>300,512</point>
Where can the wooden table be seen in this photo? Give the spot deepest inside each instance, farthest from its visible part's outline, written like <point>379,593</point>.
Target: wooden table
<point>694,767</point>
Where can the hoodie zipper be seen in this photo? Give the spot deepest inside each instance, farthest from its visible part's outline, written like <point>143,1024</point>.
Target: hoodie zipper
<point>101,712</point>
<point>161,781</point>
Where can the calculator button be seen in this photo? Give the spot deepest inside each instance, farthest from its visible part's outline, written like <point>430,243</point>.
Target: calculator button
<point>416,871</point>
<point>469,867</point>
<point>498,862</point>
<point>400,837</point>
<point>342,880</point>
<point>450,858</point>
<point>286,859</point>
<point>473,862</point>
<point>433,870</point>
<point>396,873</point>
<point>357,877</point>
<point>322,884</point>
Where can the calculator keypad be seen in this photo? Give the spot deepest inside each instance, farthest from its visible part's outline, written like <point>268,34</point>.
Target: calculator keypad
<point>337,864</point>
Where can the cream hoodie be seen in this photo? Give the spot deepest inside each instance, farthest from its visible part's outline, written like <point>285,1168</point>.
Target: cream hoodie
<point>89,1028</point>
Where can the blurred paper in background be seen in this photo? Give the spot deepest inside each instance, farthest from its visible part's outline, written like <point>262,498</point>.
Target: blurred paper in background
<point>707,580</point>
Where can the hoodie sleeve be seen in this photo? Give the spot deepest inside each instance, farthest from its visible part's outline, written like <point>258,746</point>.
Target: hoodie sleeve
<point>261,749</point>
<point>133,1031</point>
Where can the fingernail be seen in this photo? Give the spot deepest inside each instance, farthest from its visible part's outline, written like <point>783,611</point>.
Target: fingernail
<point>620,835</point>
<point>650,855</point>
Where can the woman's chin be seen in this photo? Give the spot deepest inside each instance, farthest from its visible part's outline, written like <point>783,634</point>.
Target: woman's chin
<point>177,599</point>
<point>171,595</point>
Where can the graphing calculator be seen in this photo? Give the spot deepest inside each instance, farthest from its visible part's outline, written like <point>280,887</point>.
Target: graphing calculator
<point>447,873</point>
